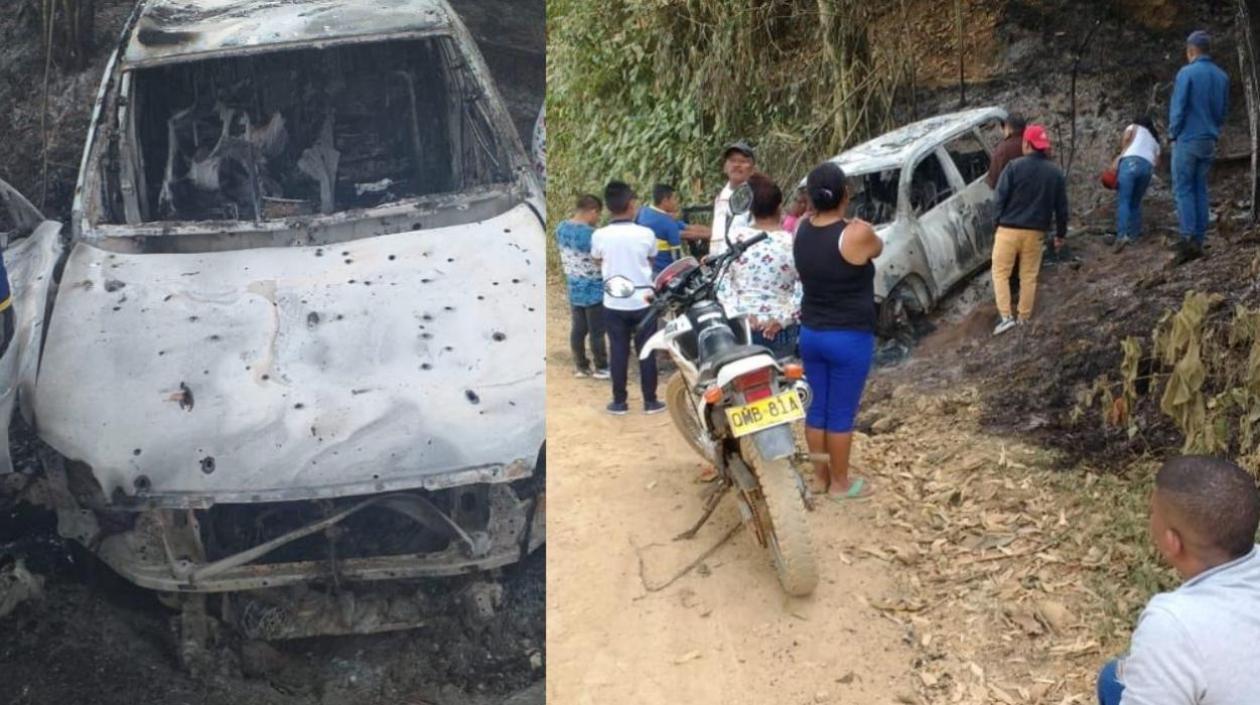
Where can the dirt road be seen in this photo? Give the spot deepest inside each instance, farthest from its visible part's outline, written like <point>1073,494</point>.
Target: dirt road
<point>725,633</point>
<point>981,572</point>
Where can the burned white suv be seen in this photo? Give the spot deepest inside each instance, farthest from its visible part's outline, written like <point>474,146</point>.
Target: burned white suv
<point>923,188</point>
<point>294,344</point>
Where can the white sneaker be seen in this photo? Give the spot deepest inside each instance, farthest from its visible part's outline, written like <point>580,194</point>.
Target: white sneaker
<point>601,373</point>
<point>1005,325</point>
<point>581,374</point>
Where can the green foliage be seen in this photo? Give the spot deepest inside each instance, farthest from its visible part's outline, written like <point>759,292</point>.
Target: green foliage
<point>649,90</point>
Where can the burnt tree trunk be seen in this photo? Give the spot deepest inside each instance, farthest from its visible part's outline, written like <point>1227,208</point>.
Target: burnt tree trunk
<point>68,26</point>
<point>1247,68</point>
<point>1078,54</point>
<point>962,70</point>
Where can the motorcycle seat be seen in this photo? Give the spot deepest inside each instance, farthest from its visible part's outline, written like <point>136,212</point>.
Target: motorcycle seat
<point>709,368</point>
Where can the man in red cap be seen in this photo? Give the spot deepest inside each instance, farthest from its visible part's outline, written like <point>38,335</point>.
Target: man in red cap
<point>1031,192</point>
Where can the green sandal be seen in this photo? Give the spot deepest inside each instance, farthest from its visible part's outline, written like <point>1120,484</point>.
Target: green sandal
<point>854,494</point>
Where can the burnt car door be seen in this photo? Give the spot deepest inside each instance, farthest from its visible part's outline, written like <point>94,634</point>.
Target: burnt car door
<point>935,209</point>
<point>970,157</point>
<point>32,247</point>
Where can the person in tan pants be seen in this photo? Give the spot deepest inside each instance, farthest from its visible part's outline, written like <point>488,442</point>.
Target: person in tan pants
<point>1031,193</point>
<point>1010,245</point>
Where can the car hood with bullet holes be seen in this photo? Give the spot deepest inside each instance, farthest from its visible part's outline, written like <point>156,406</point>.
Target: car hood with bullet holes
<point>406,360</point>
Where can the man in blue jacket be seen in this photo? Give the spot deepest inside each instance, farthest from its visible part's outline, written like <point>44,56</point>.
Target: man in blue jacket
<point>1199,102</point>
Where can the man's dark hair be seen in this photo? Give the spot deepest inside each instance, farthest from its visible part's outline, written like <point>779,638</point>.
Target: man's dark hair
<point>660,192</point>
<point>767,198</point>
<point>1216,498</point>
<point>1201,40</point>
<point>1017,123</point>
<point>589,202</point>
<point>826,186</point>
<point>618,195</point>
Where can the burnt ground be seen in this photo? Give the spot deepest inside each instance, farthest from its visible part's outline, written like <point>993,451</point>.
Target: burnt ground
<point>1030,381</point>
<point>1124,64</point>
<point>93,637</point>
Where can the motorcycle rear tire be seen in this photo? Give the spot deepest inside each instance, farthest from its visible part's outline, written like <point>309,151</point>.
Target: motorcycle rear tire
<point>682,411</point>
<point>787,529</point>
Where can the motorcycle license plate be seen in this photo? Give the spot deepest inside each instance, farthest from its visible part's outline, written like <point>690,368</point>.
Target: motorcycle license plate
<point>765,413</point>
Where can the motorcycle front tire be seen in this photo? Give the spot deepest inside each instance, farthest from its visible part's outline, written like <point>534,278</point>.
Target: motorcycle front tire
<point>786,529</point>
<point>682,411</point>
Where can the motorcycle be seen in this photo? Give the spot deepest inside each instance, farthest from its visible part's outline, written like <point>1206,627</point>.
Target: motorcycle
<point>735,404</point>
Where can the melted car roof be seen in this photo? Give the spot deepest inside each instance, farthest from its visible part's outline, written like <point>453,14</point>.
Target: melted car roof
<point>891,149</point>
<point>174,30</point>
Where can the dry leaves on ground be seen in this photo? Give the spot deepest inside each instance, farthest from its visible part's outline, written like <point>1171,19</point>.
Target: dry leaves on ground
<point>998,554</point>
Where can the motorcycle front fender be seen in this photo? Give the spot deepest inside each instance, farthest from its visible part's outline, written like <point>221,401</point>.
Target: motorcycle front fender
<point>656,342</point>
<point>776,443</point>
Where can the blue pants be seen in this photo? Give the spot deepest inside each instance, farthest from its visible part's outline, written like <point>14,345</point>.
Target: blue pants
<point>836,365</point>
<point>1191,162</point>
<point>782,345</point>
<point>621,331</point>
<point>1109,686</point>
<point>1134,177</point>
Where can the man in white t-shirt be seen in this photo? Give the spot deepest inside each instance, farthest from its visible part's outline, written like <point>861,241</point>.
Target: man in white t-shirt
<point>625,249</point>
<point>1200,643</point>
<point>738,163</point>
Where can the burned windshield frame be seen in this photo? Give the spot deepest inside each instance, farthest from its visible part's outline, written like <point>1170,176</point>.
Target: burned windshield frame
<point>289,133</point>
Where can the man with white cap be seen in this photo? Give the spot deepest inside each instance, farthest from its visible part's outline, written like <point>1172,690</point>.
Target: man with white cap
<point>1199,102</point>
<point>738,163</point>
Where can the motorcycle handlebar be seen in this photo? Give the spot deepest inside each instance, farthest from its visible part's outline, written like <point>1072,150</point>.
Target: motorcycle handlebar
<point>737,249</point>
<point>744,246</point>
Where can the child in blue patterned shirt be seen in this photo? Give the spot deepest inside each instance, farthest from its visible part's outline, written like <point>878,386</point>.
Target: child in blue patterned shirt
<point>586,287</point>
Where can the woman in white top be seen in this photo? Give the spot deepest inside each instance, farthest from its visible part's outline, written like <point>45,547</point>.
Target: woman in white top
<point>1139,154</point>
<point>763,284</point>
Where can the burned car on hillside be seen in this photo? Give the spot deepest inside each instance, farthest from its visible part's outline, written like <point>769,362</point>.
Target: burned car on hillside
<point>923,188</point>
<point>290,353</point>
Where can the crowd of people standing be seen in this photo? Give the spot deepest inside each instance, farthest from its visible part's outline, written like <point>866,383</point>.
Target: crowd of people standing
<point>808,292</point>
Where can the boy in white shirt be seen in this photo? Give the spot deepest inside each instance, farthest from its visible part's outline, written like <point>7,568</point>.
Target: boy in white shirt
<point>625,249</point>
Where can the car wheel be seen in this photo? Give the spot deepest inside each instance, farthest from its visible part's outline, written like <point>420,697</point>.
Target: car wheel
<point>896,314</point>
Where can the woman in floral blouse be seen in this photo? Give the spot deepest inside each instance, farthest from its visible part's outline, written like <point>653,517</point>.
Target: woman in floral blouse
<point>763,283</point>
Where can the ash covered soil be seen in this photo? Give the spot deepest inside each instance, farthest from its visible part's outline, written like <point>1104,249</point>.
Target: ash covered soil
<point>93,637</point>
<point>1084,70</point>
<point>1088,301</point>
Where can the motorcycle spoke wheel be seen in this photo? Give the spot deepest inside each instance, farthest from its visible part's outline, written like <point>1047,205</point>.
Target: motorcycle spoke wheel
<point>785,525</point>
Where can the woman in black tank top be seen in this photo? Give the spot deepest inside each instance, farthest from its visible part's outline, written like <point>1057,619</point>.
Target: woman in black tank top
<point>835,260</point>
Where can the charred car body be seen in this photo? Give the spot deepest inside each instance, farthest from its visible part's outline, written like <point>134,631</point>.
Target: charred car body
<point>923,189</point>
<point>293,345</point>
